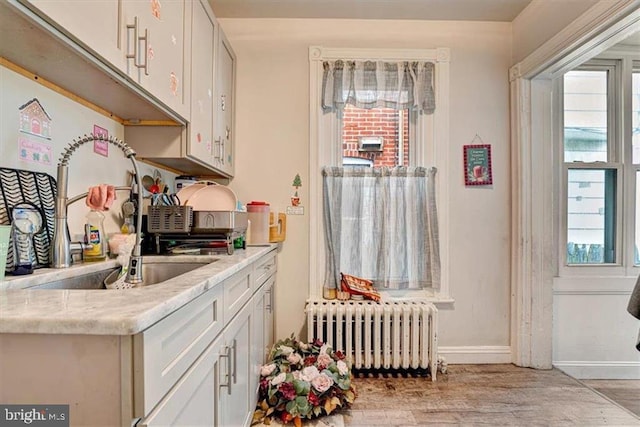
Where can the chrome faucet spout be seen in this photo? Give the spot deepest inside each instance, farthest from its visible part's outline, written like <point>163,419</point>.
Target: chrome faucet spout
<point>61,245</point>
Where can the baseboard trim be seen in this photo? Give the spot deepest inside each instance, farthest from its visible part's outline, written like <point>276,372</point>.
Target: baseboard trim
<point>595,370</point>
<point>475,355</point>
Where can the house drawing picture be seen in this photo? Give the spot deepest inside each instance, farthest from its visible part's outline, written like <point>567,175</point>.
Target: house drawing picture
<point>34,119</point>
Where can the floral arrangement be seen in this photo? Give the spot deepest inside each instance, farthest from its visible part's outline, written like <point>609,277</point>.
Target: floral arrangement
<point>303,381</point>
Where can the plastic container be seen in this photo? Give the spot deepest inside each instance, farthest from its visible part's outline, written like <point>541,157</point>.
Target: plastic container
<point>258,214</point>
<point>94,235</point>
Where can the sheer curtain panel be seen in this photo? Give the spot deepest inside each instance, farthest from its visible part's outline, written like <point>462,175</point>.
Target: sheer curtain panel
<point>382,224</point>
<point>371,84</point>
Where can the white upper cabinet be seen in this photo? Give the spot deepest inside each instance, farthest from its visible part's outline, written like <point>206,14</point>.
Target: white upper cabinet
<point>156,36</point>
<point>94,24</point>
<point>204,37</point>
<point>148,40</point>
<point>224,139</point>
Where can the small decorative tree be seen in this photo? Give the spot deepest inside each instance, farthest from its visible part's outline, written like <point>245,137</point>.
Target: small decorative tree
<point>297,183</point>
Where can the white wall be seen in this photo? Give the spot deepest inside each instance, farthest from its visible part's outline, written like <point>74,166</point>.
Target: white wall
<point>69,120</point>
<point>541,20</point>
<point>272,134</point>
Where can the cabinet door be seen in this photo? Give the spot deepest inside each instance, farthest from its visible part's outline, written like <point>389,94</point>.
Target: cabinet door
<point>94,24</point>
<point>203,36</point>
<point>236,401</point>
<point>194,400</point>
<point>156,35</point>
<point>223,153</point>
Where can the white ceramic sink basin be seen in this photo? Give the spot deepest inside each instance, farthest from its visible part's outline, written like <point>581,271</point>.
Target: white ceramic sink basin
<point>152,273</point>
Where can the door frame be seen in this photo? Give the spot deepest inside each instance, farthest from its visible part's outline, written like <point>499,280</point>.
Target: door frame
<point>534,259</point>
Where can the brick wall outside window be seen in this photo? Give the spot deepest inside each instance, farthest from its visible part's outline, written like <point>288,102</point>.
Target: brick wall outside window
<point>376,122</point>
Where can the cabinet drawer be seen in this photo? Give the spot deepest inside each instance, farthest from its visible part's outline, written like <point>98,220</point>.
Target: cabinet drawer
<point>164,352</point>
<point>237,291</point>
<point>265,267</point>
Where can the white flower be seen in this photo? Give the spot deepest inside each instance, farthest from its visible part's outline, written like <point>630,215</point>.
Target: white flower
<point>324,348</point>
<point>267,370</point>
<point>303,346</point>
<point>294,358</point>
<point>324,359</point>
<point>343,369</point>
<point>309,373</point>
<point>322,382</point>
<point>286,350</point>
<point>296,375</point>
<point>279,378</point>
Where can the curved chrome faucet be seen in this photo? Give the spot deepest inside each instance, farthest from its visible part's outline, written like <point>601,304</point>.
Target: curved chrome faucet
<point>61,245</point>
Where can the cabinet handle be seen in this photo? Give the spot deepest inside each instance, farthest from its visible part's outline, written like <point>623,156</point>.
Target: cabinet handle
<point>223,102</point>
<point>145,64</point>
<point>133,55</point>
<point>225,355</point>
<point>216,151</point>
<point>235,366</point>
<point>269,304</point>
<point>222,150</point>
<point>271,299</point>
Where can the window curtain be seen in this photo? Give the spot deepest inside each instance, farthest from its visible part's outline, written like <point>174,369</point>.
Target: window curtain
<point>382,225</point>
<point>371,84</point>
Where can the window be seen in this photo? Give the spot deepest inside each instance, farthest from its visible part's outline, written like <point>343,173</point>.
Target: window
<point>371,138</point>
<point>601,154</point>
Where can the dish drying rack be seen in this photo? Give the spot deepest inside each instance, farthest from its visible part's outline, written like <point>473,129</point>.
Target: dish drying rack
<point>181,230</point>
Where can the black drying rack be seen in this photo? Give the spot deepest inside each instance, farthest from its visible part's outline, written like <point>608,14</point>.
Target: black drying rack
<point>39,190</point>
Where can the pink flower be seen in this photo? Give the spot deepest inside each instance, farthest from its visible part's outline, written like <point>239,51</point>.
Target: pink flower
<point>322,382</point>
<point>309,360</point>
<point>309,373</point>
<point>294,358</point>
<point>267,370</point>
<point>286,350</point>
<point>279,378</point>
<point>324,359</point>
<point>343,369</point>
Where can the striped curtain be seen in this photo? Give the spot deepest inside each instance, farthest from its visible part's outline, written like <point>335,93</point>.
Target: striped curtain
<point>382,225</point>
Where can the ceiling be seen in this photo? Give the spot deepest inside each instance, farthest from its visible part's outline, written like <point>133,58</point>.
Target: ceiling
<point>464,10</point>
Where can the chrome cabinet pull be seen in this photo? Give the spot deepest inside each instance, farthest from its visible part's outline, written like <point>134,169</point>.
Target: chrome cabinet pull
<point>235,362</point>
<point>145,64</point>
<point>216,151</point>
<point>269,302</point>
<point>133,55</point>
<point>225,355</point>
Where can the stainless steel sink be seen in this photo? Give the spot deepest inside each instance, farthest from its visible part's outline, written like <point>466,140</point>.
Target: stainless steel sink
<point>152,273</point>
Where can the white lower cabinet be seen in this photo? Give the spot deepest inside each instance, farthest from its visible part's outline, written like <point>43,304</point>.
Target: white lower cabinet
<point>235,398</point>
<point>194,399</point>
<point>200,365</point>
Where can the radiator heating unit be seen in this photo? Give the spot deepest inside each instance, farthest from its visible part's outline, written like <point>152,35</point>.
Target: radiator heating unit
<point>387,335</point>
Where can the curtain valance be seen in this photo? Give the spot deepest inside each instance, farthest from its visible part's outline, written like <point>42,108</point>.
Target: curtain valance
<point>371,84</point>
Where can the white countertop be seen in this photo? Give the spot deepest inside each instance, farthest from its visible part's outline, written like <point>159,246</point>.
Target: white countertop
<point>110,312</point>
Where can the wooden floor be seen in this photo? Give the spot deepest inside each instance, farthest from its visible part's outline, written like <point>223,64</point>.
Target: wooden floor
<point>625,393</point>
<point>490,395</point>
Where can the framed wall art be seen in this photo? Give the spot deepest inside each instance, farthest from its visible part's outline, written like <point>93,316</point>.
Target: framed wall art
<point>477,165</point>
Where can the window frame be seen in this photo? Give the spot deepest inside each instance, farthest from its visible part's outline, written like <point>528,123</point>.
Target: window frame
<point>620,65</point>
<point>432,130</point>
